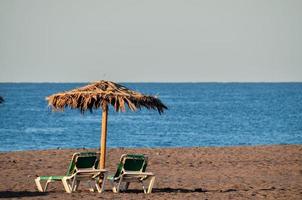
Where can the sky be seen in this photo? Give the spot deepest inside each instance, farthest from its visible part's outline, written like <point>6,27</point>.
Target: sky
<point>151,41</point>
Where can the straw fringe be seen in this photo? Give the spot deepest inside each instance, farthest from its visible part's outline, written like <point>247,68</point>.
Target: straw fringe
<point>101,93</point>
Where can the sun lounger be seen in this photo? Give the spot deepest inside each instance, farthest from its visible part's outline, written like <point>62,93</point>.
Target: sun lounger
<point>82,167</point>
<point>132,168</point>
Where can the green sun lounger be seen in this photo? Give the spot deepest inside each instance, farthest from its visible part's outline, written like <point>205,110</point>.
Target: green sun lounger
<point>82,167</point>
<point>132,168</point>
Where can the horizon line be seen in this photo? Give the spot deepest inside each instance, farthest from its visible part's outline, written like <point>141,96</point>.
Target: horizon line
<point>58,82</point>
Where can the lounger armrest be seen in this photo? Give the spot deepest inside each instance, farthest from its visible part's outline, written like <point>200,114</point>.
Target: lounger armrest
<point>88,171</point>
<point>91,170</point>
<point>96,172</point>
<point>139,173</point>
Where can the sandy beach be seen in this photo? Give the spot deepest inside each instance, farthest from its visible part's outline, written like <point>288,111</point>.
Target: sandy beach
<point>258,172</point>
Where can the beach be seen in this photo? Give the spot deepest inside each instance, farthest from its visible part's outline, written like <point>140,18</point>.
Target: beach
<point>244,172</point>
<point>209,91</point>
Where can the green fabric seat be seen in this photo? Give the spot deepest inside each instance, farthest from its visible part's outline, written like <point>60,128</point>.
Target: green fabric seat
<point>82,165</point>
<point>131,168</point>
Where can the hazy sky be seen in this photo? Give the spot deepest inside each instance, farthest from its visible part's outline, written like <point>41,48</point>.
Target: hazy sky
<point>154,40</point>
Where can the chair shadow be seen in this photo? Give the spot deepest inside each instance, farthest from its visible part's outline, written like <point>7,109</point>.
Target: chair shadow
<point>170,190</point>
<point>182,190</point>
<point>13,194</point>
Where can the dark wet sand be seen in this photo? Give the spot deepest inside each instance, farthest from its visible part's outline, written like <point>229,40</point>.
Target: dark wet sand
<point>262,172</point>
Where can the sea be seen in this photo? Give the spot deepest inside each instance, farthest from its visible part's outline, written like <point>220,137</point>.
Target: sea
<point>198,115</point>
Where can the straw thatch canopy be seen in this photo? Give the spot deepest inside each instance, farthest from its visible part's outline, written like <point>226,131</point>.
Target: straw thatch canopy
<point>101,93</point>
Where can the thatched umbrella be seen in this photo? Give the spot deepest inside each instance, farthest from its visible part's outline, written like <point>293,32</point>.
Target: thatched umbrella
<point>98,95</point>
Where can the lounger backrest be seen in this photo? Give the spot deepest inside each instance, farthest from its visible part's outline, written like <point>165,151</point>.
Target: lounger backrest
<point>133,163</point>
<point>82,160</point>
<point>85,162</point>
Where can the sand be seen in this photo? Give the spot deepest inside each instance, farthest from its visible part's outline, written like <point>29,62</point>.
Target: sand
<point>261,172</point>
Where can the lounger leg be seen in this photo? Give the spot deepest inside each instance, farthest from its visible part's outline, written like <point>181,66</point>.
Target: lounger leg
<point>77,183</point>
<point>151,184</point>
<point>91,187</point>
<point>46,185</point>
<point>38,184</point>
<point>103,182</point>
<point>74,184</point>
<point>113,184</point>
<point>97,186</point>
<point>143,187</point>
<point>119,185</point>
<point>66,185</point>
<point>97,181</point>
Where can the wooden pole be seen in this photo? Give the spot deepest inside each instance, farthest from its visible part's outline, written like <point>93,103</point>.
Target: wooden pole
<point>103,136</point>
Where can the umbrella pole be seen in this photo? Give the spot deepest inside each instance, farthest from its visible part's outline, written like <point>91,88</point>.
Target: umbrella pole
<point>103,136</point>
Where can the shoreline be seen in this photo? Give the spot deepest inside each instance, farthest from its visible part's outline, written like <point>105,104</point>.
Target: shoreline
<point>154,148</point>
<point>231,172</point>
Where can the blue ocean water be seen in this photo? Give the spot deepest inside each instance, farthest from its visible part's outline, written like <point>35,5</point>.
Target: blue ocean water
<point>200,114</point>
